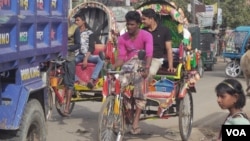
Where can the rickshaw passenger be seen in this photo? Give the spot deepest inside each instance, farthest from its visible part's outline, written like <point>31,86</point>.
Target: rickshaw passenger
<point>161,41</point>
<point>85,53</point>
<point>129,44</point>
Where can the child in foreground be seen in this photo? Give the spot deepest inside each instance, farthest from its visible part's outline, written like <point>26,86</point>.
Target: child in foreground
<point>230,96</point>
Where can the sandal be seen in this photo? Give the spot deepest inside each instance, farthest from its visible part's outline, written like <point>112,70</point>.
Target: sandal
<point>90,84</point>
<point>135,131</point>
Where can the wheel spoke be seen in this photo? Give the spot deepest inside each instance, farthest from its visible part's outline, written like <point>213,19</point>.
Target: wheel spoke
<point>186,113</point>
<point>110,124</point>
<point>186,116</point>
<point>233,69</point>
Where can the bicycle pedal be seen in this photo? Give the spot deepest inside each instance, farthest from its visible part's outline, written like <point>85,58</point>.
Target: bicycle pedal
<point>58,105</point>
<point>74,96</point>
<point>171,110</point>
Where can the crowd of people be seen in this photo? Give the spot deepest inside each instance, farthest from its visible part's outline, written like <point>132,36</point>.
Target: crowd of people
<point>156,40</point>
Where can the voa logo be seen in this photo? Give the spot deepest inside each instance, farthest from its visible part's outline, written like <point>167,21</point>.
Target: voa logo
<point>236,132</point>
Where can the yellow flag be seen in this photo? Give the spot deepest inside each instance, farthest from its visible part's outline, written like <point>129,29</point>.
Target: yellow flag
<point>215,6</point>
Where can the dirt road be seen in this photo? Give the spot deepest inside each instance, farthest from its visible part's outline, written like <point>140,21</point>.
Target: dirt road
<point>82,125</point>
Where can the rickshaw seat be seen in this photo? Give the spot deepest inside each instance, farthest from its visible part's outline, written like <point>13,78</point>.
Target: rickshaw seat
<point>84,74</point>
<point>164,71</point>
<point>164,68</point>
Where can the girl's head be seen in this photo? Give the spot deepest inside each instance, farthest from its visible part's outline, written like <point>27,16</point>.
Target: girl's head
<point>230,94</point>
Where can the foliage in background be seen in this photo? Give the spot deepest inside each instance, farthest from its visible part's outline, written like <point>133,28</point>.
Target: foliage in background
<point>234,12</point>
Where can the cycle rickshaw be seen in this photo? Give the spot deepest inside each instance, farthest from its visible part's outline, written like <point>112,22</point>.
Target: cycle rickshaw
<point>171,93</point>
<point>235,48</point>
<point>101,21</point>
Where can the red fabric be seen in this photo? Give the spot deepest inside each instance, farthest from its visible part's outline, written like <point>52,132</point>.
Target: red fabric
<point>105,88</point>
<point>98,48</point>
<point>84,74</point>
<point>181,51</point>
<point>109,52</point>
<point>117,87</point>
<point>107,49</point>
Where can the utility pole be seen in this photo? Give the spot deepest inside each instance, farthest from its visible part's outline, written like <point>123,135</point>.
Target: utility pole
<point>127,2</point>
<point>70,4</point>
<point>193,11</point>
<point>218,3</point>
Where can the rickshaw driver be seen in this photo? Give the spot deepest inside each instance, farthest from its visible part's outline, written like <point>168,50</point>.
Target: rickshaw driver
<point>129,44</point>
<point>161,41</point>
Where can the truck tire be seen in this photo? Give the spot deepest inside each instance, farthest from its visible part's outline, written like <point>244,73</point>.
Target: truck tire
<point>33,126</point>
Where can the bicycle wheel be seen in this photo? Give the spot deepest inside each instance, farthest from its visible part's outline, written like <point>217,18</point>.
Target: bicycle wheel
<point>50,103</point>
<point>60,107</point>
<point>111,125</point>
<point>186,116</point>
<point>129,110</point>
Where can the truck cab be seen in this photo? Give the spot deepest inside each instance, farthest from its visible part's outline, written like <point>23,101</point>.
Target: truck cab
<point>31,34</point>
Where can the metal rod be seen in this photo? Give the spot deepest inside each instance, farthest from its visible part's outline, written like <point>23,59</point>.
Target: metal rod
<point>193,11</point>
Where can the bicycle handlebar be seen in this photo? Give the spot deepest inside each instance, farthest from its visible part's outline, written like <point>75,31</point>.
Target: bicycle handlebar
<point>141,69</point>
<point>59,62</point>
<point>113,72</point>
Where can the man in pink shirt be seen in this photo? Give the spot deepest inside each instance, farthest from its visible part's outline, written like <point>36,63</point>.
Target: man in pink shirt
<point>129,44</point>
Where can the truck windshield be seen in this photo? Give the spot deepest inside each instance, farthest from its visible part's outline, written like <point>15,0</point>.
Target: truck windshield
<point>235,41</point>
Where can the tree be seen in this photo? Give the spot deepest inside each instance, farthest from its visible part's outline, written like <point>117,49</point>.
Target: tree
<point>183,5</point>
<point>234,12</point>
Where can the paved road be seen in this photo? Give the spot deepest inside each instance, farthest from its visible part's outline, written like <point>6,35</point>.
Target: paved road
<point>82,125</point>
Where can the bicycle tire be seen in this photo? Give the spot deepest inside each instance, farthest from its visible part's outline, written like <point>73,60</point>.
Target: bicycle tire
<point>129,110</point>
<point>111,126</point>
<point>185,116</point>
<point>60,107</point>
<point>50,103</point>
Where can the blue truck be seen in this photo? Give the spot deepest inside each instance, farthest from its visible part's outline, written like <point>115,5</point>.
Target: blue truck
<point>32,32</point>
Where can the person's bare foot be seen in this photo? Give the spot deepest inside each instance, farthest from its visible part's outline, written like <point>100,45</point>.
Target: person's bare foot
<point>66,114</point>
<point>135,131</point>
